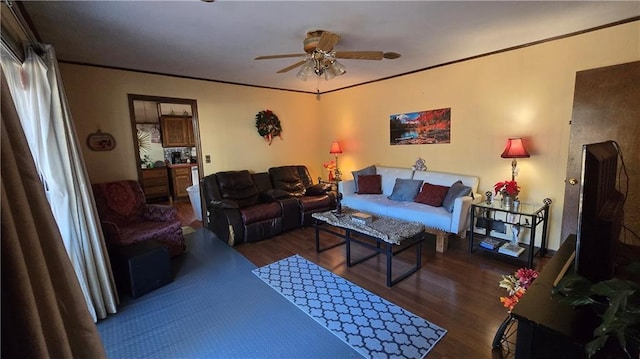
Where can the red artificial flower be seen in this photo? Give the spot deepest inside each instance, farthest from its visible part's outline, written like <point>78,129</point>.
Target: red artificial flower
<point>516,285</point>
<point>331,165</point>
<point>511,188</point>
<point>526,276</point>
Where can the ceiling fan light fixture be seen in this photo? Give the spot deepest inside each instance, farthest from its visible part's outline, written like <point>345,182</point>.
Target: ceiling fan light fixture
<point>334,68</point>
<point>339,68</point>
<point>302,74</point>
<point>320,59</point>
<point>306,69</point>
<point>321,64</point>
<point>329,74</point>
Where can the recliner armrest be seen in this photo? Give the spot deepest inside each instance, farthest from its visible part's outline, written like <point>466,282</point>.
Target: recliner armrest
<point>274,194</point>
<point>317,190</point>
<point>225,204</point>
<point>111,232</point>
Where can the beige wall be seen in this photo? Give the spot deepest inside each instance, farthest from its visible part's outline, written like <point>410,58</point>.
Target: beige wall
<point>226,115</point>
<point>526,92</point>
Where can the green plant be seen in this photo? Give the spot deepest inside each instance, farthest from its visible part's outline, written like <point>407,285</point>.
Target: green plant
<point>146,160</point>
<point>615,301</point>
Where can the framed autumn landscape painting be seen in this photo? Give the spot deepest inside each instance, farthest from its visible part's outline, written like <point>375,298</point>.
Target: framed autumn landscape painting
<point>419,128</point>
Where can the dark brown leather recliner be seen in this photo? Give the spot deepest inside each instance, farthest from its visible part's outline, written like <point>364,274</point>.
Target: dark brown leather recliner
<point>297,181</point>
<point>238,210</point>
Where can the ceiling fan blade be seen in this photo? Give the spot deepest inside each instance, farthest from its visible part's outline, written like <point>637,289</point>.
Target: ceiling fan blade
<point>327,41</point>
<point>289,68</point>
<point>391,55</point>
<point>268,57</point>
<point>360,55</point>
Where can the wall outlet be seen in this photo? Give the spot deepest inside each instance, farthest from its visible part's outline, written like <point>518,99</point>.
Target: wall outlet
<point>207,158</point>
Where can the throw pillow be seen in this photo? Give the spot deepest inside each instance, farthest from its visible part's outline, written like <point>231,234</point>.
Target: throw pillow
<point>432,194</point>
<point>405,190</point>
<point>369,184</point>
<point>456,190</point>
<point>371,170</point>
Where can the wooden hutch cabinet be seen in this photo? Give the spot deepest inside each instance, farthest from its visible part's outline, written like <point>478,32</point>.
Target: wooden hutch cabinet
<point>180,180</point>
<point>155,182</point>
<point>177,131</point>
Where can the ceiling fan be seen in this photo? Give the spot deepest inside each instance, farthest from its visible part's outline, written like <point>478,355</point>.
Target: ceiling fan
<point>320,59</point>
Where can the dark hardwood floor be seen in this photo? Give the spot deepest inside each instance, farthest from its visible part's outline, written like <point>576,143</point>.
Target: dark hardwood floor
<point>185,213</point>
<point>455,290</point>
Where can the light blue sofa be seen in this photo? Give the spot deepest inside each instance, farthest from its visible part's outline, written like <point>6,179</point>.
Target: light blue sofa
<point>437,220</point>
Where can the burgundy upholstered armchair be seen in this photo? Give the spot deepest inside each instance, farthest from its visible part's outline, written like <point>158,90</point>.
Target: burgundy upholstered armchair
<point>126,218</point>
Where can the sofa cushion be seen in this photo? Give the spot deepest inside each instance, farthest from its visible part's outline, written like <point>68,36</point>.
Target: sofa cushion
<point>432,194</point>
<point>405,190</point>
<point>456,190</point>
<point>433,217</point>
<point>446,179</point>
<point>371,170</point>
<point>369,184</point>
<point>389,175</point>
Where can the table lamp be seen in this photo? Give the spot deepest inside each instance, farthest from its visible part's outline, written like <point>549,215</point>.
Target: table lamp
<point>336,150</point>
<point>514,149</point>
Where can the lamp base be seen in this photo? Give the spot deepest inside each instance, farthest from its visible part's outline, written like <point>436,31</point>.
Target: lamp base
<point>338,176</point>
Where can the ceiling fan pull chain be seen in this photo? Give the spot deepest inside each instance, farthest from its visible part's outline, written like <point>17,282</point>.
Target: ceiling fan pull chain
<point>318,88</point>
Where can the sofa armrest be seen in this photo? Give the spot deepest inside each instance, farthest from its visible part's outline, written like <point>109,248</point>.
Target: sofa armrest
<point>317,190</point>
<point>225,220</point>
<point>460,215</point>
<point>159,213</point>
<point>111,232</point>
<point>347,187</point>
<point>224,204</point>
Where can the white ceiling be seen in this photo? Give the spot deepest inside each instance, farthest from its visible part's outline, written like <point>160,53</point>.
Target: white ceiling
<point>219,40</point>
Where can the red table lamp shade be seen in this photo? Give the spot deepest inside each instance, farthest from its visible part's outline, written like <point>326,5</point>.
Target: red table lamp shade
<point>515,149</point>
<point>335,148</point>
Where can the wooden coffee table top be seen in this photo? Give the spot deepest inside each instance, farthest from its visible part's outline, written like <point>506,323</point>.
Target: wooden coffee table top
<point>388,229</point>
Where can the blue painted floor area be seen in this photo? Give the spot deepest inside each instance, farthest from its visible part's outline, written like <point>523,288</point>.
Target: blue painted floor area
<point>216,308</point>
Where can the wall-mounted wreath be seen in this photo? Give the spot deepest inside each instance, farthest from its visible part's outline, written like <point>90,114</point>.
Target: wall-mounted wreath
<point>268,125</point>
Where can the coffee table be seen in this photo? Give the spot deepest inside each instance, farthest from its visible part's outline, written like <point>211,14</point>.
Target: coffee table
<point>392,236</point>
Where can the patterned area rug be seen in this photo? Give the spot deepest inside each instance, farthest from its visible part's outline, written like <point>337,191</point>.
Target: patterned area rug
<point>371,325</point>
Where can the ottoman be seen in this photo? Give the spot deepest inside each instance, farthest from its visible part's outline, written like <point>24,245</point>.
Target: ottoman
<point>142,267</point>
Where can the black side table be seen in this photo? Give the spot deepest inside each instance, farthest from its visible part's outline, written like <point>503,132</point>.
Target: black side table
<point>526,215</point>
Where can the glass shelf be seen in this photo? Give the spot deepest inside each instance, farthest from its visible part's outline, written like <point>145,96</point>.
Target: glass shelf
<point>498,222</point>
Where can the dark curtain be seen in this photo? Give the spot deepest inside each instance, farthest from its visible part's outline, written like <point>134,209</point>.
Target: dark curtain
<point>44,314</point>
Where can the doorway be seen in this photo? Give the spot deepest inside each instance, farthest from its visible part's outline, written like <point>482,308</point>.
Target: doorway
<point>166,140</point>
<point>606,107</point>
